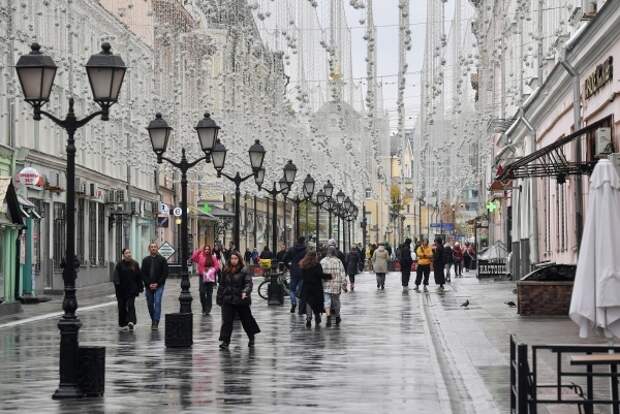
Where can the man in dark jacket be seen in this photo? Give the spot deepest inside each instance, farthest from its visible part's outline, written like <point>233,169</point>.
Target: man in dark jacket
<point>292,258</point>
<point>355,264</point>
<point>154,274</point>
<point>405,264</point>
<point>439,263</point>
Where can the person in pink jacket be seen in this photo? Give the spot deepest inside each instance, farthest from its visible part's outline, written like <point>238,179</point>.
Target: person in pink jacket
<point>207,266</point>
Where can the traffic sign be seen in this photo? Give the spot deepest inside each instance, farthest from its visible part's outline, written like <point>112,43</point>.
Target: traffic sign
<point>166,250</point>
<point>162,221</point>
<point>178,211</point>
<point>164,209</point>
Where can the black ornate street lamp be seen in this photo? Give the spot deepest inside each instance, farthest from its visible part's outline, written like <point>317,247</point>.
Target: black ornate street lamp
<point>351,213</point>
<point>290,171</point>
<point>257,156</point>
<point>321,199</point>
<point>345,211</point>
<point>36,73</point>
<point>285,191</point>
<point>336,207</point>
<point>179,326</point>
<point>307,191</point>
<point>364,226</point>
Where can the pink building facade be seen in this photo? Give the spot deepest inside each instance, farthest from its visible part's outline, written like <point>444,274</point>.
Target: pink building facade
<point>555,132</point>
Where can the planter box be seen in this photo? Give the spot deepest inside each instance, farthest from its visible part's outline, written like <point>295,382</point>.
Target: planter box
<point>543,298</point>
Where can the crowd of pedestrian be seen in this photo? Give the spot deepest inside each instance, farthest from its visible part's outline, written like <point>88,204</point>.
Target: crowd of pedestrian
<point>318,278</point>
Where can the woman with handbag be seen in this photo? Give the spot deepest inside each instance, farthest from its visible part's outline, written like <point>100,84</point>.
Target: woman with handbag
<point>233,295</point>
<point>128,284</point>
<point>208,266</point>
<point>312,287</point>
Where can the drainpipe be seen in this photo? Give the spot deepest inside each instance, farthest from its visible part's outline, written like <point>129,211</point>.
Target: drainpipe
<point>533,225</point>
<point>576,148</point>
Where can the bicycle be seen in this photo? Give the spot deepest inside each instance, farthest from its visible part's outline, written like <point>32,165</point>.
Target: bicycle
<point>283,279</point>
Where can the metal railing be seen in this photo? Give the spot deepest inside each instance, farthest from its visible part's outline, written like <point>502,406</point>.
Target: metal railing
<point>524,385</point>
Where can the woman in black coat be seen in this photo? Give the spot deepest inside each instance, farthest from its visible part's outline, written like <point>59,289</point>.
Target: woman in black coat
<point>439,263</point>
<point>233,295</point>
<point>312,286</point>
<point>128,284</point>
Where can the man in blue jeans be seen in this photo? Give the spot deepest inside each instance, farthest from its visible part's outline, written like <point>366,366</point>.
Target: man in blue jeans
<point>292,258</point>
<point>154,274</point>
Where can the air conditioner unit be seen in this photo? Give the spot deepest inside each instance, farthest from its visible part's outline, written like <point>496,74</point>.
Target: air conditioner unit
<point>590,8</point>
<point>119,196</point>
<point>603,144</point>
<point>110,197</point>
<point>80,185</point>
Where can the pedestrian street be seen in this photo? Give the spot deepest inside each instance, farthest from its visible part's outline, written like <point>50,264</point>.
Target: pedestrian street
<point>381,359</point>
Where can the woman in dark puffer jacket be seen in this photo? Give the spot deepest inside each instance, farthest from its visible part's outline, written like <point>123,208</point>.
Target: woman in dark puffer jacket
<point>234,296</point>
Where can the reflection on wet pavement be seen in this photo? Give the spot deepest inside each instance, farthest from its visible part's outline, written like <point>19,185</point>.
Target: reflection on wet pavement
<point>376,361</point>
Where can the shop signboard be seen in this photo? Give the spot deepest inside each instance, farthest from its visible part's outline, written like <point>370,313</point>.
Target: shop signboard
<point>31,178</point>
<point>602,75</point>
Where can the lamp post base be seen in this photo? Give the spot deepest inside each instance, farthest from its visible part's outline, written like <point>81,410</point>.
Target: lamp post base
<point>67,391</point>
<point>275,294</point>
<point>179,330</point>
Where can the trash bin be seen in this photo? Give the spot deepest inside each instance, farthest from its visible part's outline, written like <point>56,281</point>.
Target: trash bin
<point>91,376</point>
<point>179,330</point>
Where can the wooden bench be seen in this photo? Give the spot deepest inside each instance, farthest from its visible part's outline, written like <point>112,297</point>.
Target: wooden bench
<point>613,360</point>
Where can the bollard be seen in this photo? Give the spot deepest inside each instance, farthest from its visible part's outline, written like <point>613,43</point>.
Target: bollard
<point>91,376</point>
<point>179,330</point>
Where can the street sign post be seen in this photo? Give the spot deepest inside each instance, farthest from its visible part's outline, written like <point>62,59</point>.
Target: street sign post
<point>166,250</point>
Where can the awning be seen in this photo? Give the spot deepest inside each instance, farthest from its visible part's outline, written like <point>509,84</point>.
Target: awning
<point>551,161</point>
<point>201,214</point>
<point>27,208</point>
<point>221,213</point>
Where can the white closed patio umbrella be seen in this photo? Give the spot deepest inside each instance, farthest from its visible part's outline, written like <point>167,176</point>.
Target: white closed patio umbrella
<point>595,303</point>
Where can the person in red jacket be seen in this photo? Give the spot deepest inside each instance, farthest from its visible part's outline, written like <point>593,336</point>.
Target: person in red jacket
<point>458,256</point>
<point>207,265</point>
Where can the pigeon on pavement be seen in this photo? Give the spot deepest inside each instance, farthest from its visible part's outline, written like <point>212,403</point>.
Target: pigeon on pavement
<point>510,303</point>
<point>465,304</point>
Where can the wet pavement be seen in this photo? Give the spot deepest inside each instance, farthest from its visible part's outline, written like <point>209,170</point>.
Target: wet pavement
<point>381,359</point>
<point>393,353</point>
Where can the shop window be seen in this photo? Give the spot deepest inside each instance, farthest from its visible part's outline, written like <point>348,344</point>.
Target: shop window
<point>59,234</point>
<point>92,233</point>
<point>101,235</point>
<point>79,239</point>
